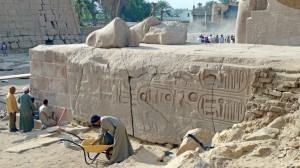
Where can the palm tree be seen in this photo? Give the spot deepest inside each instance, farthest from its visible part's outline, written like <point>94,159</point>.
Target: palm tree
<point>164,7</point>
<point>80,9</point>
<point>105,7</point>
<point>209,4</point>
<point>226,2</point>
<point>93,9</point>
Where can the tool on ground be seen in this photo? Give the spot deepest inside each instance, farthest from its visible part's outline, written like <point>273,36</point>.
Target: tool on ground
<point>87,148</point>
<point>62,114</point>
<point>206,148</point>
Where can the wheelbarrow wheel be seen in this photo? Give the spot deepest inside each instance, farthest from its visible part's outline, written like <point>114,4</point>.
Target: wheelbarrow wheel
<point>109,153</point>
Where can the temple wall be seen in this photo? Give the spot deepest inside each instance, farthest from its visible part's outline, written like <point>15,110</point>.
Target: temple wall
<point>278,25</point>
<point>25,24</point>
<point>161,92</point>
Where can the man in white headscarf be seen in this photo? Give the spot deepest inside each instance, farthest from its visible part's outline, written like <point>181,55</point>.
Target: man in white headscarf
<point>27,109</point>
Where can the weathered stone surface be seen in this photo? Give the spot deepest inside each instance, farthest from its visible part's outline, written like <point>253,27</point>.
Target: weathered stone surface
<point>263,134</point>
<point>114,35</point>
<point>233,151</point>
<point>166,33</point>
<point>142,28</point>
<point>25,26</point>
<point>35,143</point>
<point>190,144</point>
<point>74,130</point>
<point>188,159</point>
<point>158,94</point>
<point>253,14</point>
<point>134,39</point>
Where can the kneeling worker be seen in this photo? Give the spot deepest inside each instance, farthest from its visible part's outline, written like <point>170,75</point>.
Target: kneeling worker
<point>122,148</point>
<point>47,118</point>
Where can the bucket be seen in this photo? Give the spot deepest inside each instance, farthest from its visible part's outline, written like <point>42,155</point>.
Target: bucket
<point>67,144</point>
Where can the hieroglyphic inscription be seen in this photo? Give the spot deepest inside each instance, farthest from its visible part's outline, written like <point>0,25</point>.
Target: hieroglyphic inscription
<point>220,95</point>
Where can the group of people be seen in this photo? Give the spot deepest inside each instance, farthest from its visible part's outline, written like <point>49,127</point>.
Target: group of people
<point>111,127</point>
<point>215,39</point>
<point>27,109</point>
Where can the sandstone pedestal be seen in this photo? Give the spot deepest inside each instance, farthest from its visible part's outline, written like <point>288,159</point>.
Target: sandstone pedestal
<point>161,92</point>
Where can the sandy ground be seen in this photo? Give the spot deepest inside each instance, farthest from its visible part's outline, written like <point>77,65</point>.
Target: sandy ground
<point>56,155</point>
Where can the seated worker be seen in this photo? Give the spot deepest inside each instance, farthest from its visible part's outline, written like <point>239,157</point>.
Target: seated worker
<point>47,118</point>
<point>122,148</point>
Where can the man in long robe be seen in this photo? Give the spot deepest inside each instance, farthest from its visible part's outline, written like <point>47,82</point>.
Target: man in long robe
<point>47,118</point>
<point>12,108</point>
<point>122,147</point>
<point>26,111</point>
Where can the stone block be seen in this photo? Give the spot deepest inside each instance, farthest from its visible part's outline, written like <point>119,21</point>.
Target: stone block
<point>263,134</point>
<point>62,100</point>
<point>58,85</point>
<point>36,68</point>
<point>275,93</point>
<point>61,71</point>
<point>40,83</point>
<point>49,70</point>
<point>265,80</point>
<point>292,84</point>
<point>287,95</point>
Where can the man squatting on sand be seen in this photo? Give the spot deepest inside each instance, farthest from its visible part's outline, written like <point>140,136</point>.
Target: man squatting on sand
<point>122,148</point>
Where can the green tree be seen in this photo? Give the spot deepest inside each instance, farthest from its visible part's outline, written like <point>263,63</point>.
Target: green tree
<point>105,9</point>
<point>136,10</point>
<point>226,2</point>
<point>93,10</point>
<point>80,9</point>
<point>164,8</point>
<point>209,4</point>
<point>200,5</point>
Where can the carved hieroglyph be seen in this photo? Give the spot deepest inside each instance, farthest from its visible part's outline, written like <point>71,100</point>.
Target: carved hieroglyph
<point>159,92</point>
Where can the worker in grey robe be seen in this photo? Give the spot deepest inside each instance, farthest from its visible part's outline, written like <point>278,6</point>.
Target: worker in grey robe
<point>26,111</point>
<point>122,148</point>
<point>47,117</point>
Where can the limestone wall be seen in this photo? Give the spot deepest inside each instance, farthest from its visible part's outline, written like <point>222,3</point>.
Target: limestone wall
<point>25,24</point>
<point>278,25</point>
<point>161,92</point>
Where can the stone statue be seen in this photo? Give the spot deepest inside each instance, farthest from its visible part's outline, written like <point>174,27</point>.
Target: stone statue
<point>244,12</point>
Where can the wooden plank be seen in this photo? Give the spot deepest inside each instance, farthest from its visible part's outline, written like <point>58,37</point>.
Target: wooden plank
<point>15,76</point>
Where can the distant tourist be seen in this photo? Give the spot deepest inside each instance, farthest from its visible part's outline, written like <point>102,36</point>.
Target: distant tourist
<point>47,117</point>
<point>4,48</point>
<point>12,108</point>
<point>232,39</point>
<point>228,39</point>
<point>210,39</point>
<point>217,39</point>
<point>221,40</point>
<point>27,109</point>
<point>199,40</point>
<point>206,40</point>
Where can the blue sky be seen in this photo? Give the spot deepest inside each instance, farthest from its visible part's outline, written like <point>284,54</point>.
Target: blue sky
<point>183,3</point>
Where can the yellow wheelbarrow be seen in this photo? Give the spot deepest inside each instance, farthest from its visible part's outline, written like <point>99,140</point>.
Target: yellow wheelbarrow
<point>87,148</point>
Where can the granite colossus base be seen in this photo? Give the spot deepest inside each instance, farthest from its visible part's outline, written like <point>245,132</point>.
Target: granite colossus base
<point>161,92</point>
